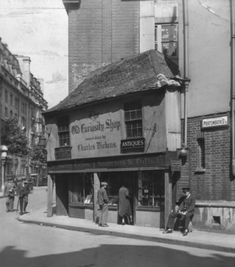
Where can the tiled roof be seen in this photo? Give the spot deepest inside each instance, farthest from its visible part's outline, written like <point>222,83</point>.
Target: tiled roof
<point>143,72</point>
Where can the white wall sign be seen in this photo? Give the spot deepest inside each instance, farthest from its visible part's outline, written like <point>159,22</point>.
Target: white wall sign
<point>215,122</point>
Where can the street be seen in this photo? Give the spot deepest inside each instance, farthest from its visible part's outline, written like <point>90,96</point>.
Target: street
<point>34,245</point>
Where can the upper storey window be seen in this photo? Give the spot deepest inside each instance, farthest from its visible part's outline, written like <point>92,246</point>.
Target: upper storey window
<point>166,39</point>
<point>133,120</point>
<point>63,132</point>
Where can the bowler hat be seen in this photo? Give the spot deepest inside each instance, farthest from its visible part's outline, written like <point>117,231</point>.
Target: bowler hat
<point>186,189</point>
<point>104,183</point>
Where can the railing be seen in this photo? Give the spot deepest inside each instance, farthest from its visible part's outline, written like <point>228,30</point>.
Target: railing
<point>63,152</point>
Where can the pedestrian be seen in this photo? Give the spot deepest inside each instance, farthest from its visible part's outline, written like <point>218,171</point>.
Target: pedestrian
<point>103,200</point>
<point>10,199</point>
<point>124,206</point>
<point>184,211</point>
<point>23,196</point>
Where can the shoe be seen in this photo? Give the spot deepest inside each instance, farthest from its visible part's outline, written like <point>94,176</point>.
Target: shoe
<point>185,232</point>
<point>168,231</point>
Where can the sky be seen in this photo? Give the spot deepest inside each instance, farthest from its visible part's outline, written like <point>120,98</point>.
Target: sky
<point>39,29</point>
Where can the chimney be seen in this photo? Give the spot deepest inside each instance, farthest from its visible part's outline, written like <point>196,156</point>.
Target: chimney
<point>24,62</point>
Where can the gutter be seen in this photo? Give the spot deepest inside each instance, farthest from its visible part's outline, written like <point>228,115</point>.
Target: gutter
<point>232,81</point>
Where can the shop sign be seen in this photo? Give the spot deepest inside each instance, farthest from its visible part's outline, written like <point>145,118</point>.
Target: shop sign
<point>132,145</point>
<point>215,122</point>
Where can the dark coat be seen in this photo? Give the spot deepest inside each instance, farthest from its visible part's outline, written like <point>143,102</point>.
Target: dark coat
<point>23,190</point>
<point>188,204</point>
<point>102,197</point>
<point>124,206</point>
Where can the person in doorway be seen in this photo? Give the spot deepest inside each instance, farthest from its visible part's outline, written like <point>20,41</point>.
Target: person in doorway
<point>124,206</point>
<point>103,200</point>
<point>23,196</point>
<point>184,211</point>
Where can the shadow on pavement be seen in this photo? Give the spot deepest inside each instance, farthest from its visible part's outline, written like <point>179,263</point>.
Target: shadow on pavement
<point>114,256</point>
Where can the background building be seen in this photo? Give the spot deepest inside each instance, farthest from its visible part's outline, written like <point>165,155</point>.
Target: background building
<point>21,98</point>
<point>198,36</point>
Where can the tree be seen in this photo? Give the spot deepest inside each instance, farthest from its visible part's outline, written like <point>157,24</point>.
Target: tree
<point>39,153</point>
<point>15,138</point>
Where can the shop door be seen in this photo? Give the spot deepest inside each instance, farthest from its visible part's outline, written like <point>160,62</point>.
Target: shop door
<point>61,195</point>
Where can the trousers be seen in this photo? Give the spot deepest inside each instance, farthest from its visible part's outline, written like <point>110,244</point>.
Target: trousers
<point>104,209</point>
<point>184,218</point>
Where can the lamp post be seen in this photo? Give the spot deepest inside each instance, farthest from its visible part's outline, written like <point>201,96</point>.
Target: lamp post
<point>4,150</point>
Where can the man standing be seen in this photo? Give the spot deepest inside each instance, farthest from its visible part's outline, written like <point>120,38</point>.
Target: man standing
<point>10,199</point>
<point>103,200</point>
<point>124,206</point>
<point>23,196</point>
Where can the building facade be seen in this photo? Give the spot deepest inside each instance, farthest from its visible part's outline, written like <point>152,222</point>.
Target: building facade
<point>21,98</point>
<point>129,138</point>
<point>198,36</point>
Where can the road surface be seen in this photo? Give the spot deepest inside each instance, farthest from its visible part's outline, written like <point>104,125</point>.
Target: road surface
<point>28,245</point>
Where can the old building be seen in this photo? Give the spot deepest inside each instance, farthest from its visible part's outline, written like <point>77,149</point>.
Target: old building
<point>198,36</point>
<point>120,125</point>
<point>21,98</point>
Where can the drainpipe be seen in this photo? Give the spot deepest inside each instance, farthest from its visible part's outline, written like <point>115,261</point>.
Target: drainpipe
<point>232,81</point>
<point>186,80</point>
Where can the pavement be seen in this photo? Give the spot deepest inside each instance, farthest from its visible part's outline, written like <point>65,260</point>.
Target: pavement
<point>198,239</point>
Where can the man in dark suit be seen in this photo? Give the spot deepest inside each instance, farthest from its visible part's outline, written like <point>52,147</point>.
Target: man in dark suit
<point>184,210</point>
<point>23,196</point>
<point>103,200</point>
<point>187,209</point>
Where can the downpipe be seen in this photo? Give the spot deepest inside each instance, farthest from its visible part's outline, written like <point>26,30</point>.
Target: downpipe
<point>232,81</point>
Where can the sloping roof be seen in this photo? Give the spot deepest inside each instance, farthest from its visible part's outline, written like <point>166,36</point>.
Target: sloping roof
<point>143,72</point>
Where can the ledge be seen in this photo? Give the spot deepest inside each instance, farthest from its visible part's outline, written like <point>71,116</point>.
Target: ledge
<point>215,203</point>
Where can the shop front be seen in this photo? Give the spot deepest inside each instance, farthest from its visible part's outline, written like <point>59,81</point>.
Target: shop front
<point>147,177</point>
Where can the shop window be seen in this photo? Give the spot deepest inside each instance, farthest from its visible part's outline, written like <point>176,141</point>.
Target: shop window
<point>166,39</point>
<point>63,132</point>
<point>201,163</point>
<point>151,189</point>
<point>81,189</point>
<point>133,120</point>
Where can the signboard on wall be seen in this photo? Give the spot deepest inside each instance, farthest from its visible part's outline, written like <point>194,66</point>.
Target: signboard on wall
<point>215,122</point>
<point>132,145</point>
<point>96,136</point>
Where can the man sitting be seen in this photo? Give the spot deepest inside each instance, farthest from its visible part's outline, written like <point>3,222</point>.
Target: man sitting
<point>184,210</point>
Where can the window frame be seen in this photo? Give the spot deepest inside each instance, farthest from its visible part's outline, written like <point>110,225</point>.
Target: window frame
<point>133,118</point>
<point>160,41</point>
<point>63,132</point>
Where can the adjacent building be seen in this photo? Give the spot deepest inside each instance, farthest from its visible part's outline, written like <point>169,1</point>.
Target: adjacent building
<point>21,98</point>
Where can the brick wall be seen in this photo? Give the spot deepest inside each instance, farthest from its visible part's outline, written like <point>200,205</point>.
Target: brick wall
<point>101,32</point>
<point>214,182</point>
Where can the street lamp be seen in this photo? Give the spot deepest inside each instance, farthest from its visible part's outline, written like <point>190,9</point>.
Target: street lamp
<point>4,150</point>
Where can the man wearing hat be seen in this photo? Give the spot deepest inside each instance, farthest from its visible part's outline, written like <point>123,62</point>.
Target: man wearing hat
<point>102,199</point>
<point>184,210</point>
<point>23,196</point>
<point>187,210</point>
